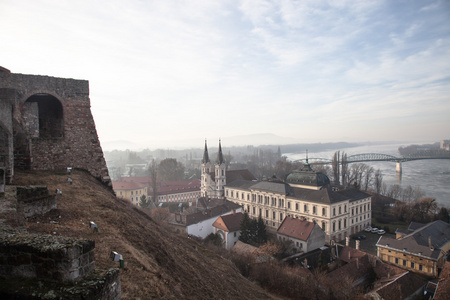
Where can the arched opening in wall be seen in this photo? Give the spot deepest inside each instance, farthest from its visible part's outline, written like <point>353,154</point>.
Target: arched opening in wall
<point>4,146</point>
<point>43,116</point>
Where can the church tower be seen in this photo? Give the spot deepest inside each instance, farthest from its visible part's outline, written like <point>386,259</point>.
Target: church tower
<point>220,173</point>
<point>205,187</point>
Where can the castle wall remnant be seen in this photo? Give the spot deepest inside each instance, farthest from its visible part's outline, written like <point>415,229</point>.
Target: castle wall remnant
<point>35,200</point>
<point>46,124</point>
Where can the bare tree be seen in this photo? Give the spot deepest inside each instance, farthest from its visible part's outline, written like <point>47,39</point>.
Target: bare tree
<point>368,177</point>
<point>378,182</point>
<point>170,170</point>
<point>335,166</point>
<point>344,168</point>
<point>153,172</point>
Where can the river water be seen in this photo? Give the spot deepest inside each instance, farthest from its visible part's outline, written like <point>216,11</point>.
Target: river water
<point>431,175</point>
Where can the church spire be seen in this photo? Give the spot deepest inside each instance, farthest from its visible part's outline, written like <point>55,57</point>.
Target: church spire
<point>205,155</point>
<point>220,155</point>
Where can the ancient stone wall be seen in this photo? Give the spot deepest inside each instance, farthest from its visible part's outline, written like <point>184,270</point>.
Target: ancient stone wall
<point>34,200</point>
<point>67,137</point>
<point>46,257</point>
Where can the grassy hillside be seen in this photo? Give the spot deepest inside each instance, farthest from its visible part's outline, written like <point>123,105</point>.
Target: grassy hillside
<point>158,263</point>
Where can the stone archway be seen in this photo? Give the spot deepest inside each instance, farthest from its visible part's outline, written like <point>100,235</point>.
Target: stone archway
<point>43,116</point>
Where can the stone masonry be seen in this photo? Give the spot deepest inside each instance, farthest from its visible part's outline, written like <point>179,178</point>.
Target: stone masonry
<point>46,124</point>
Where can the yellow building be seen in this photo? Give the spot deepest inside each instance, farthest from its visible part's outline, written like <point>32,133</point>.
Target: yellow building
<point>421,248</point>
<point>132,191</point>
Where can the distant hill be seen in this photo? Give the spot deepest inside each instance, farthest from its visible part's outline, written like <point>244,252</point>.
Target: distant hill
<point>159,264</point>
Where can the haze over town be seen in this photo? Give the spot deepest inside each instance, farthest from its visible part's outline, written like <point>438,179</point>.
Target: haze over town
<point>165,74</point>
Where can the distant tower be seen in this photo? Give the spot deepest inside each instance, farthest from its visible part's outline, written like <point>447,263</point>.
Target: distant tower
<point>206,177</point>
<point>220,171</point>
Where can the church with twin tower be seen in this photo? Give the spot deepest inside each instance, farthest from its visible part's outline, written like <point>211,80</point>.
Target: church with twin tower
<point>213,176</point>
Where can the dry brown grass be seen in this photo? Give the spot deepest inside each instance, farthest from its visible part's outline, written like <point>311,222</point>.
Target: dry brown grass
<point>159,264</point>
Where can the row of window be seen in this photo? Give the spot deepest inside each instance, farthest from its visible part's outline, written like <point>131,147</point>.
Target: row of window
<point>179,197</point>
<point>362,209</point>
<point>412,265</point>
<point>279,202</point>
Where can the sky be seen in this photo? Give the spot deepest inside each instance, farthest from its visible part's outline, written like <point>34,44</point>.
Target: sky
<point>173,73</point>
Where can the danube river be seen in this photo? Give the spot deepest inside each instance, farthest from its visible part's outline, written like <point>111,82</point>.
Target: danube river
<point>431,175</point>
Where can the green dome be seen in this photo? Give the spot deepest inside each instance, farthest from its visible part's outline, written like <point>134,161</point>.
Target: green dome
<point>310,178</point>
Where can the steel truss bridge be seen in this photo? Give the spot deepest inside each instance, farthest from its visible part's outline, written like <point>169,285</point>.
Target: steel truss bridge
<point>365,157</point>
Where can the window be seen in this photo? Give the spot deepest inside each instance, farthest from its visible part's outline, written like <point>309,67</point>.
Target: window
<point>314,209</point>
<point>404,263</point>
<point>334,226</point>
<point>253,210</point>
<point>340,211</point>
<point>323,226</point>
<point>296,206</point>
<point>260,212</point>
<point>396,260</point>
<point>324,211</point>
<point>339,224</point>
<point>281,216</point>
<point>235,234</point>
<point>305,208</point>
<point>131,192</point>
<point>412,265</point>
<point>267,213</point>
<point>345,208</point>
<point>273,215</point>
<point>289,205</point>
<point>420,268</point>
<point>334,211</point>
<point>345,223</point>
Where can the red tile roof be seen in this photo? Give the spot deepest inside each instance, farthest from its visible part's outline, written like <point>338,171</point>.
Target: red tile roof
<point>233,175</point>
<point>123,185</point>
<point>296,228</point>
<point>231,222</point>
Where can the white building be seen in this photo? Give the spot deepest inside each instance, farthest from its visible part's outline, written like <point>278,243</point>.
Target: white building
<point>308,195</point>
<point>228,227</point>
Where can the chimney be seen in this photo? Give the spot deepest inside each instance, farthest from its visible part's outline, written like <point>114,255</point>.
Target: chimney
<point>347,241</point>
<point>357,244</point>
<point>430,244</point>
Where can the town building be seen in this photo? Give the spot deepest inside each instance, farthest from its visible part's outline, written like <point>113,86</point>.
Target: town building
<point>178,191</point>
<point>228,228</point>
<point>421,248</point>
<point>166,191</point>
<point>305,236</point>
<point>200,223</point>
<point>132,191</point>
<point>308,195</point>
<point>215,177</point>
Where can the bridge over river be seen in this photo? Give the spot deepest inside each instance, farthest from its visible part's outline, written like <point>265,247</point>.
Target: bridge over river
<point>367,157</point>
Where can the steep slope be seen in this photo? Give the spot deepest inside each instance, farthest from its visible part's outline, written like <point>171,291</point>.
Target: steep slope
<point>158,263</point>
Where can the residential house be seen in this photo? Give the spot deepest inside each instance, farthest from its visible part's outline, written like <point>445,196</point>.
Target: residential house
<point>305,236</point>
<point>200,224</point>
<point>421,248</point>
<point>228,227</point>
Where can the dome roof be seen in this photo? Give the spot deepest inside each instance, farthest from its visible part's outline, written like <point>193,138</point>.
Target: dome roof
<point>310,178</point>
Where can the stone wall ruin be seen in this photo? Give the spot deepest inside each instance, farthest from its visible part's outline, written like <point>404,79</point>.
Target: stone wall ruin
<point>46,124</point>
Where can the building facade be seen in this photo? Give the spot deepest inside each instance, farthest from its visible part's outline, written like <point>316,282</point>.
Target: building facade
<point>305,236</point>
<point>305,195</point>
<point>421,248</point>
<point>228,228</point>
<point>212,185</point>
<point>132,191</point>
